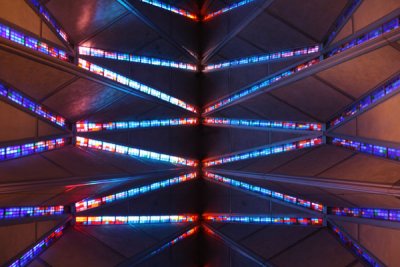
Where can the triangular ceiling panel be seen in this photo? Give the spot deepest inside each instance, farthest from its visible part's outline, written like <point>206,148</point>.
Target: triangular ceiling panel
<point>82,20</point>
<point>25,18</point>
<point>23,126</point>
<point>363,16</point>
<point>382,117</point>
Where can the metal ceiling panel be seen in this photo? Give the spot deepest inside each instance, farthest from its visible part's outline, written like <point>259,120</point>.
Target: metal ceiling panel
<point>34,79</point>
<point>359,199</point>
<point>180,29</point>
<point>220,29</point>
<point>21,126</point>
<point>366,169</point>
<point>83,19</point>
<point>80,249</point>
<point>320,249</point>
<point>266,164</point>
<point>178,141</point>
<point>277,35</point>
<point>21,14</point>
<point>276,109</point>
<point>359,75</point>
<point>30,197</point>
<point>175,82</point>
<point>349,128</point>
<point>220,83</point>
<point>315,162</point>
<point>81,97</point>
<point>80,163</point>
<point>221,255</point>
<point>128,34</point>
<point>271,240</point>
<point>45,129</point>
<point>181,200</point>
<point>384,118</point>
<point>313,17</point>
<point>36,167</point>
<point>299,94</point>
<point>220,140</point>
<point>372,10</point>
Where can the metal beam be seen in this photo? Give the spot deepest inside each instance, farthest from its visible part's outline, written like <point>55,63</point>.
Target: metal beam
<point>10,47</point>
<point>374,222</point>
<point>148,253</point>
<point>131,8</point>
<point>216,48</point>
<point>213,232</point>
<point>321,66</point>
<point>372,188</point>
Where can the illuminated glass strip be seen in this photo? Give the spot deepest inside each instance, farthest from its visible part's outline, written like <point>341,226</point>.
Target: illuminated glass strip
<point>87,204</point>
<point>94,52</point>
<point>176,240</point>
<point>134,152</point>
<point>85,126</point>
<point>385,28</point>
<point>30,255</point>
<point>17,98</point>
<point>354,246</point>
<point>285,125</point>
<point>133,84</point>
<point>17,151</point>
<point>376,150</point>
<point>263,58</point>
<point>266,192</point>
<point>31,42</point>
<point>24,212</point>
<point>263,219</point>
<point>368,213</point>
<point>46,14</point>
<point>172,9</point>
<point>226,9</point>
<point>342,19</point>
<point>375,33</point>
<point>260,85</point>
<point>143,219</point>
<point>262,152</point>
<point>384,90</point>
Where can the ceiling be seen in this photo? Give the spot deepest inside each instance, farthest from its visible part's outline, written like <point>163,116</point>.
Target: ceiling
<point>331,175</point>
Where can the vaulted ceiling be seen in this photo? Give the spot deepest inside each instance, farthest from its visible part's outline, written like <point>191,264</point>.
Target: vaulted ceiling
<point>326,116</point>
